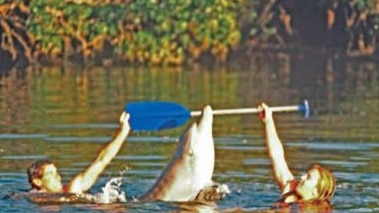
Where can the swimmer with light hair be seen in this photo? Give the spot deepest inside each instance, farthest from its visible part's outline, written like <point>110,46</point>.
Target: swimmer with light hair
<point>318,184</point>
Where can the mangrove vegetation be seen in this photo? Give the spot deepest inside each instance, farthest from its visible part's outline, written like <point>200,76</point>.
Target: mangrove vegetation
<point>177,32</point>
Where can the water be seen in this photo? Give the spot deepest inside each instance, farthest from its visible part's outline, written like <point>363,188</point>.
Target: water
<point>67,114</point>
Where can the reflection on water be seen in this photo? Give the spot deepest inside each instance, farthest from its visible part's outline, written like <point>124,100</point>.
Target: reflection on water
<point>67,114</point>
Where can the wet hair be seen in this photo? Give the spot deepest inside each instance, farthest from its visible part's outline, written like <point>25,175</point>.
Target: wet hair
<point>326,184</point>
<point>36,170</point>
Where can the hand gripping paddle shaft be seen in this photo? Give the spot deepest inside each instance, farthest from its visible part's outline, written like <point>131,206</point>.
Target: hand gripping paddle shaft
<point>158,115</point>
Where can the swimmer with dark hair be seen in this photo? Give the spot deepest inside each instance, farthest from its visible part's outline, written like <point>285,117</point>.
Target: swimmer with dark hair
<point>44,176</point>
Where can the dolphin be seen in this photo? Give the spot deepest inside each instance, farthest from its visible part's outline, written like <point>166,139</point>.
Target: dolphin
<point>191,168</point>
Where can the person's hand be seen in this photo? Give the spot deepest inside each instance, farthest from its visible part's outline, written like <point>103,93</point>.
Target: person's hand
<point>124,119</point>
<point>265,113</point>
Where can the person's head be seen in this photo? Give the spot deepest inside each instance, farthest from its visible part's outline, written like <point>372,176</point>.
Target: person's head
<point>43,176</point>
<point>318,184</point>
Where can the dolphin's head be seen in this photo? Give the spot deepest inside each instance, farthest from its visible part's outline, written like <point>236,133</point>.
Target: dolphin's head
<point>198,148</point>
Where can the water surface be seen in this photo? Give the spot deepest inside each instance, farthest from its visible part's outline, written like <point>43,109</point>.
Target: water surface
<point>67,114</point>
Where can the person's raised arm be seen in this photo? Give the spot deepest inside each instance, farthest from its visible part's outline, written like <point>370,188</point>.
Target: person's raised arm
<point>275,149</point>
<point>84,180</point>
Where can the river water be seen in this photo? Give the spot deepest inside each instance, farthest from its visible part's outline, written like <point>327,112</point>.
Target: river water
<point>66,114</point>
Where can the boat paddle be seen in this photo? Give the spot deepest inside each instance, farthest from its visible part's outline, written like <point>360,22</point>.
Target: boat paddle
<point>159,115</point>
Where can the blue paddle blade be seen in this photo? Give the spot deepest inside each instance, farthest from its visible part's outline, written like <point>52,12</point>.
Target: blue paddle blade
<point>156,115</point>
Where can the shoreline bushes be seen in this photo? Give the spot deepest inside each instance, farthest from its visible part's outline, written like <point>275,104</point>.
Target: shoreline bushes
<point>176,32</point>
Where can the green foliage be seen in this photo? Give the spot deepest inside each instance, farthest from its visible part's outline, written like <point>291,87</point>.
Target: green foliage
<point>146,31</point>
<point>160,31</point>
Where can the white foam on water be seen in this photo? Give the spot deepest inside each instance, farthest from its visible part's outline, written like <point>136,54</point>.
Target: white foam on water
<point>112,193</point>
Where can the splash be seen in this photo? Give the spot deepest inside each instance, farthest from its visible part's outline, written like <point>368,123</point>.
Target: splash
<point>112,193</point>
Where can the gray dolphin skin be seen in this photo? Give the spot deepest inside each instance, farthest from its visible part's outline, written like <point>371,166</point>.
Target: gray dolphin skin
<point>191,168</point>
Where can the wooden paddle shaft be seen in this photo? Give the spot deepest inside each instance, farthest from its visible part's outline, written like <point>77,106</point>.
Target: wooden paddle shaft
<point>249,110</point>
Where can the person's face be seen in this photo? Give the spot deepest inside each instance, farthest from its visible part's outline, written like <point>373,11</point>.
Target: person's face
<point>51,180</point>
<point>307,187</point>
